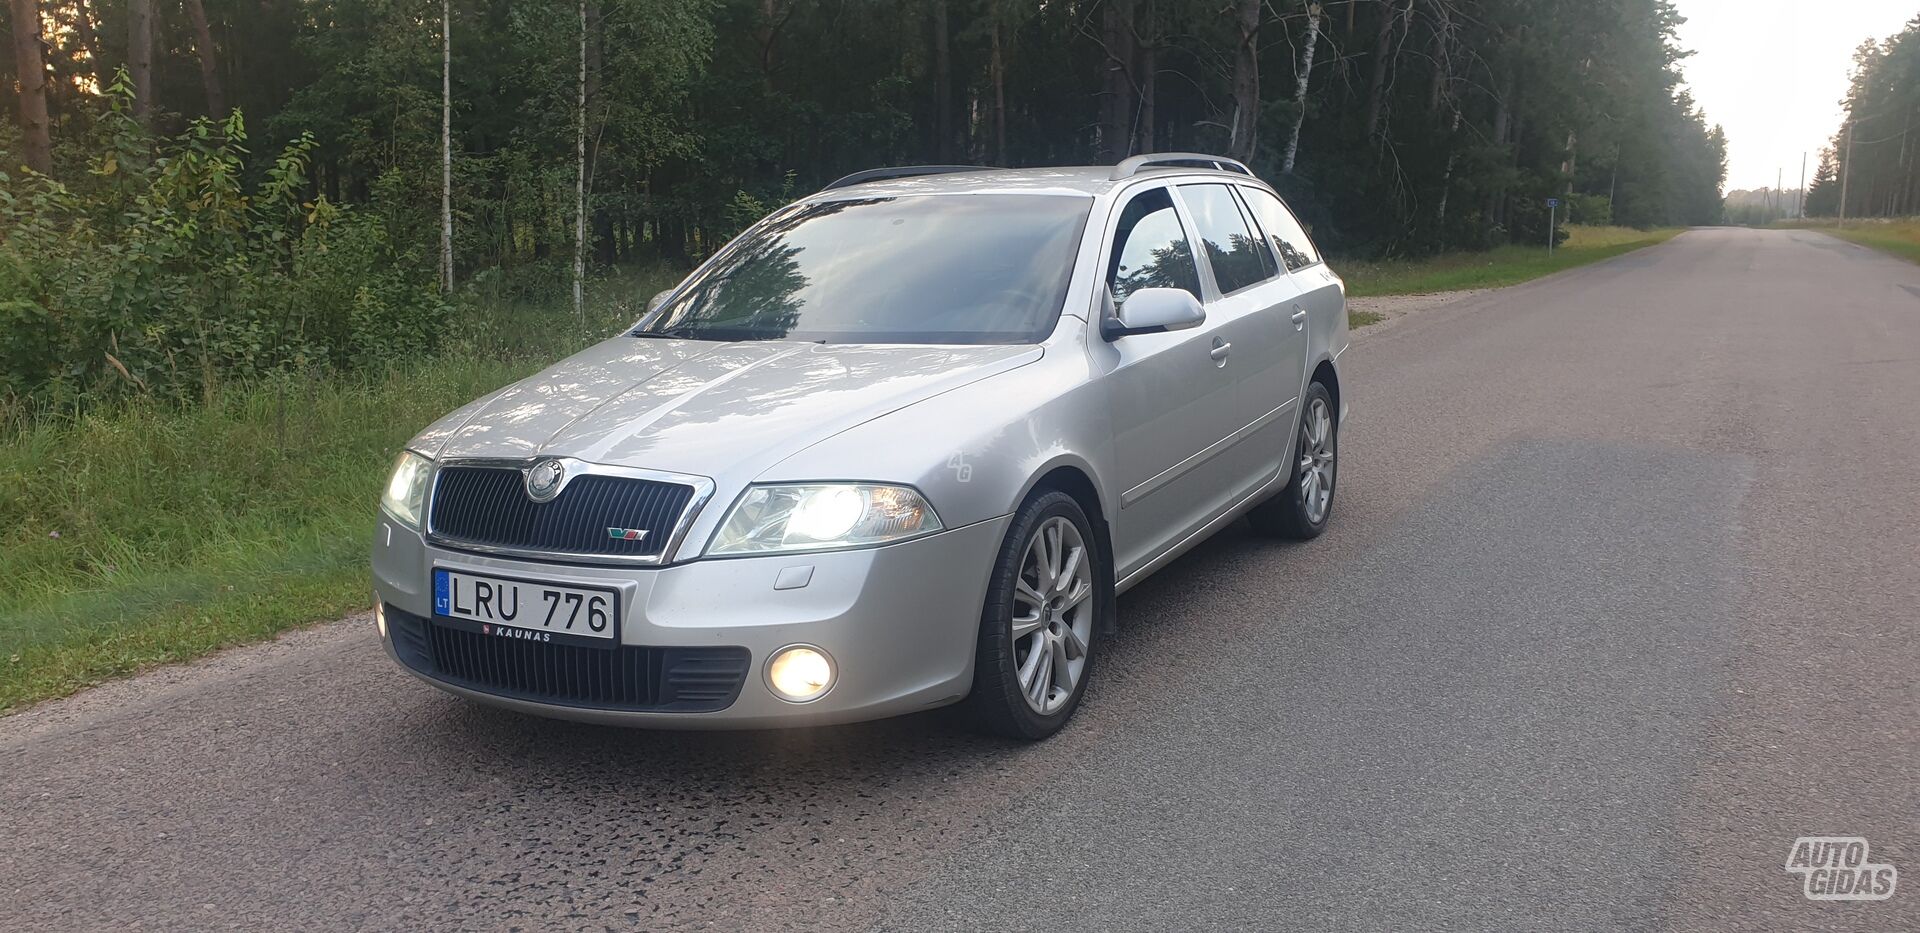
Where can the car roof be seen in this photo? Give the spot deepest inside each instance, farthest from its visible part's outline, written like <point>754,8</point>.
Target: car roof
<point>1076,180</point>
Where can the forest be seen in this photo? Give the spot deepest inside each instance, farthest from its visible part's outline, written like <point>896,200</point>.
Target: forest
<point>1871,162</point>
<point>196,191</point>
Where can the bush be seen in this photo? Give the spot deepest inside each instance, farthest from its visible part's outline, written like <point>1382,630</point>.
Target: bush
<point>164,274</point>
<point>1591,210</point>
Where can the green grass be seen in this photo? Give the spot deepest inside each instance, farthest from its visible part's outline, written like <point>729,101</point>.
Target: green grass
<point>1357,319</point>
<point>148,534</point>
<point>1506,265</point>
<point>1898,237</point>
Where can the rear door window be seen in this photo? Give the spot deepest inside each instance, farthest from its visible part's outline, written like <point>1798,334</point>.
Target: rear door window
<point>1236,255</point>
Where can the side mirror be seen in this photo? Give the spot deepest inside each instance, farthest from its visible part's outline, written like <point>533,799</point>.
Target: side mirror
<point>657,300</point>
<point>1153,311</point>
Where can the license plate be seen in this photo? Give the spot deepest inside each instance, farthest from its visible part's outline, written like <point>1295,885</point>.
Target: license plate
<point>526,609</point>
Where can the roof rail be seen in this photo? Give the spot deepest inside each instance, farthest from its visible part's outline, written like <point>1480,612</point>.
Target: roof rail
<point>902,171</point>
<point>1127,168</point>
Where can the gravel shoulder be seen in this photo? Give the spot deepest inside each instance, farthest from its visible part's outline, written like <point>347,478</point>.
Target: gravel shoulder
<point>1392,309</point>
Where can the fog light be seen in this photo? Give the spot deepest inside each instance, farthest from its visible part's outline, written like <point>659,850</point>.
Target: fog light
<point>800,673</point>
<point>380,616</point>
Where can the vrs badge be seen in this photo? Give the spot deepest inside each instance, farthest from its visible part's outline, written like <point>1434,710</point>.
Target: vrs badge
<point>626,534</point>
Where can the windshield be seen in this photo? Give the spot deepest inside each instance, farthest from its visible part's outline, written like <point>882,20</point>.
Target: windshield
<point>976,268</point>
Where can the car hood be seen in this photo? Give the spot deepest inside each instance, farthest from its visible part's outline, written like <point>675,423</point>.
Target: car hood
<point>706,408</point>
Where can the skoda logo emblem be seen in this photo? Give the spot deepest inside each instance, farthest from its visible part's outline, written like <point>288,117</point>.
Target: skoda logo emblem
<point>543,481</point>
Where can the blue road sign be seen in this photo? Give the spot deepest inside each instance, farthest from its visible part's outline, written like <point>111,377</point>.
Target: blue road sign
<point>1553,202</point>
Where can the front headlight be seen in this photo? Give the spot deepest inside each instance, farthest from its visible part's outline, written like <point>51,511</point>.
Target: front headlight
<point>818,516</point>
<point>406,495</point>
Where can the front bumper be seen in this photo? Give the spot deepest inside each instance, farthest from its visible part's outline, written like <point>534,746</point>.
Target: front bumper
<point>900,622</point>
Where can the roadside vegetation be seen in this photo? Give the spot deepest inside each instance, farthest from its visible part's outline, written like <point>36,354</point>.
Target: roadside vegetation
<point>158,530</point>
<point>1898,237</point>
<point>1506,265</point>
<point>244,253</point>
<point>1868,160</point>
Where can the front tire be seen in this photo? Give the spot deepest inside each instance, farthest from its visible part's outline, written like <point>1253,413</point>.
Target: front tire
<point>1301,510</point>
<point>1045,601</point>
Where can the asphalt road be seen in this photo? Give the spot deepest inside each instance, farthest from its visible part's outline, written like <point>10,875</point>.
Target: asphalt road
<point>1622,596</point>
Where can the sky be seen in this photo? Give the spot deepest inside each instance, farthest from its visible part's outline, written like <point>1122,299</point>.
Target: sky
<point>1772,72</point>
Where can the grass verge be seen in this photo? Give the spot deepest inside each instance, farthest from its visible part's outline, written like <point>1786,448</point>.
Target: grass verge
<point>1506,265</point>
<point>150,534</point>
<point>1899,237</point>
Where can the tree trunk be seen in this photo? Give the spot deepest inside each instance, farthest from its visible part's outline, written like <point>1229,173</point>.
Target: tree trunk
<point>140,58</point>
<point>83,30</point>
<point>997,73</point>
<point>446,145</point>
<point>1149,89</point>
<point>1377,78</point>
<point>1116,80</point>
<point>35,127</point>
<point>1446,181</point>
<point>1442,58</point>
<point>1568,165</point>
<point>1502,127</point>
<point>942,84</point>
<point>1300,88</point>
<point>209,63</point>
<point>1245,130</point>
<point>580,176</point>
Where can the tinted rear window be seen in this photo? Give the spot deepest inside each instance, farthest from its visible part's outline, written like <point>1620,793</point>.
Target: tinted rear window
<point>1237,258</point>
<point>1289,238</point>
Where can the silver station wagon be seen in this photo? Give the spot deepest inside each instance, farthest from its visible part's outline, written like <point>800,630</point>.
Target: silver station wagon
<point>900,445</point>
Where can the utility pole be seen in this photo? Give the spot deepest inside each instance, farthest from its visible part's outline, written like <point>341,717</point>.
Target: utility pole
<point>446,146</point>
<point>580,179</point>
<point>1846,162</point>
<point>1800,208</point>
<point>1777,199</point>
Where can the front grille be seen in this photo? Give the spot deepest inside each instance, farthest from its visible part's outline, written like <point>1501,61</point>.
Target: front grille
<point>627,677</point>
<point>488,506</point>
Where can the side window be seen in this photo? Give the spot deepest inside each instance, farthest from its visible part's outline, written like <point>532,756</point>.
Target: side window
<point>1237,258</point>
<point>1289,239</point>
<point>1150,250</point>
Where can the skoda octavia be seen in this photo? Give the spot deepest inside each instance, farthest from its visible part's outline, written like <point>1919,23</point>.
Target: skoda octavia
<point>898,446</point>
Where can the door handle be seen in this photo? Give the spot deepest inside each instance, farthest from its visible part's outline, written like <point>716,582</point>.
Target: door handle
<point>1299,318</point>
<point>1220,349</point>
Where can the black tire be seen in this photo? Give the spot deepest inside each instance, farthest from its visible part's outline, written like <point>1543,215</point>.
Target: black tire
<point>996,703</point>
<point>1287,515</point>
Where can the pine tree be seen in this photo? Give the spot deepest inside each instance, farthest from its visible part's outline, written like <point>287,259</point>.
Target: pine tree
<point>1823,195</point>
<point>32,69</point>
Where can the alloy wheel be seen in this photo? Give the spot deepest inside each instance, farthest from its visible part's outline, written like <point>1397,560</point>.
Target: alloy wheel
<point>1052,615</point>
<point>1316,468</point>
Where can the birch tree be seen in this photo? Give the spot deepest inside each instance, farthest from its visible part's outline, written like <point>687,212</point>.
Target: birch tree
<point>1300,87</point>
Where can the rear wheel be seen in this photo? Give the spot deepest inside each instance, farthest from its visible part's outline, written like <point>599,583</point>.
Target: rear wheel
<point>1046,597</point>
<point>1301,510</point>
